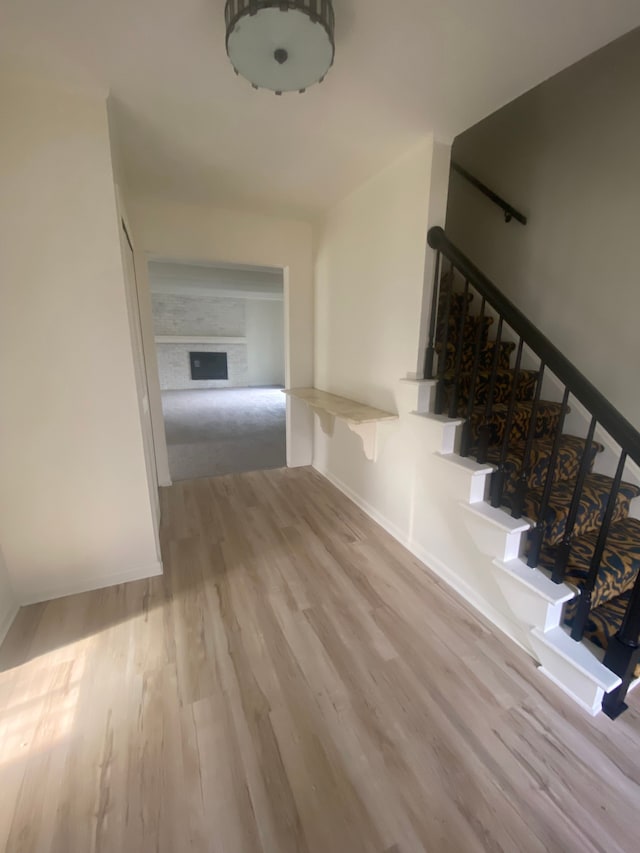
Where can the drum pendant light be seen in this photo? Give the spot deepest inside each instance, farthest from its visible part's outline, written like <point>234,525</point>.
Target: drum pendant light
<point>282,45</point>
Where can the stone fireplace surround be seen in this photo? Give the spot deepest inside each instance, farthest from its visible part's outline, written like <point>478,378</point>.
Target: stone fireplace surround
<point>175,370</point>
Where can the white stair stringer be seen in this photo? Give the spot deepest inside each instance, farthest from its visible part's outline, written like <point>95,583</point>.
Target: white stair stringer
<point>468,479</point>
<point>534,600</point>
<point>573,667</point>
<point>495,533</point>
<point>442,428</point>
<point>415,396</point>
<point>532,596</point>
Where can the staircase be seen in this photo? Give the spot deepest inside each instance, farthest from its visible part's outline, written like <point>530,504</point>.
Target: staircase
<point>512,391</point>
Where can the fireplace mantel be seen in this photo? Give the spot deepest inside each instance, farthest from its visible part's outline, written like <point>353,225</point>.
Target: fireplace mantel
<point>197,339</point>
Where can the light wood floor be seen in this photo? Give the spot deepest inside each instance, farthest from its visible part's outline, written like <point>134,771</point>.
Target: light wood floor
<point>295,682</point>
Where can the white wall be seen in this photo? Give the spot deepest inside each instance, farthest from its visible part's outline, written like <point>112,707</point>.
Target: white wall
<point>8,601</point>
<point>370,272</point>
<point>370,267</point>
<point>197,233</point>
<point>74,504</point>
<point>566,153</point>
<point>265,341</point>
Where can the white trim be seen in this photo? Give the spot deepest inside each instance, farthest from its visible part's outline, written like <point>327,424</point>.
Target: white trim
<point>578,656</point>
<point>196,339</point>
<point>91,584</point>
<point>6,620</point>
<point>178,288</point>
<point>592,710</point>
<point>431,563</point>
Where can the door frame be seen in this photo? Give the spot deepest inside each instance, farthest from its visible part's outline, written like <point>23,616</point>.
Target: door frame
<point>151,361</point>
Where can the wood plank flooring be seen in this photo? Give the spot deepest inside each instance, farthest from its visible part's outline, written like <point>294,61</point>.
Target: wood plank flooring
<point>296,681</point>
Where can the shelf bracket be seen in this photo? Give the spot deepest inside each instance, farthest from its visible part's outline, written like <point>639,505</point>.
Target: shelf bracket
<point>372,435</point>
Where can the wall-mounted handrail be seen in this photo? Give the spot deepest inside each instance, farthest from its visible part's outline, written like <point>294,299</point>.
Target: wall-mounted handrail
<point>510,212</point>
<point>618,427</point>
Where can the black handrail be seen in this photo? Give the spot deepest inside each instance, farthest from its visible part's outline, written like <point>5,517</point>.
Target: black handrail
<point>618,427</point>
<point>510,212</point>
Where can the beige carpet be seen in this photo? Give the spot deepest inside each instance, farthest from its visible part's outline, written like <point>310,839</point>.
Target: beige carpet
<point>225,431</point>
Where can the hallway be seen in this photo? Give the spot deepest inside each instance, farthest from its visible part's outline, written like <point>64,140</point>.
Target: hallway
<point>296,681</point>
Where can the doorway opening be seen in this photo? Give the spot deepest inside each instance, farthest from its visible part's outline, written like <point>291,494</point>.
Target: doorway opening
<point>219,337</point>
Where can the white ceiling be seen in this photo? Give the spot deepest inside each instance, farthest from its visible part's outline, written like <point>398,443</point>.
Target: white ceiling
<point>228,280</point>
<point>190,129</point>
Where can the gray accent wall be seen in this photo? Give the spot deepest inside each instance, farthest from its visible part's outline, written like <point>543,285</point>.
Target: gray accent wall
<point>566,154</point>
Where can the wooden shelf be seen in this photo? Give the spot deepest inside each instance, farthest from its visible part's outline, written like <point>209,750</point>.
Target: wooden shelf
<point>366,421</point>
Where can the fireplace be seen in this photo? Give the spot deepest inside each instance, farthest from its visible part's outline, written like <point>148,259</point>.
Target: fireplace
<point>208,365</point>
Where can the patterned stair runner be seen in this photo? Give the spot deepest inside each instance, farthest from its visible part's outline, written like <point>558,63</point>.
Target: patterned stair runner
<point>567,463</point>
<point>620,561</point>
<point>591,508</point>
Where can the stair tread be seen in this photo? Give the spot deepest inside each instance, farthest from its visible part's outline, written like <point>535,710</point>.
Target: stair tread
<point>619,565</point>
<point>592,506</point>
<point>503,408</point>
<point>497,517</point>
<point>604,622</point>
<point>553,593</point>
<point>568,461</point>
<point>500,371</point>
<point>503,384</point>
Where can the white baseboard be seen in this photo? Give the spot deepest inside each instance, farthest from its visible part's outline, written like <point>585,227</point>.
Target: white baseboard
<point>90,584</point>
<point>431,562</point>
<point>6,619</point>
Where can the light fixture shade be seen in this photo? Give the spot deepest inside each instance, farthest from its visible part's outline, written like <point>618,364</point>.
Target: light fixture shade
<point>282,45</point>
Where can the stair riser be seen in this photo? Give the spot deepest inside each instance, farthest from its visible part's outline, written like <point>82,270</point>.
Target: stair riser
<point>590,517</point>
<point>472,326</point>
<point>485,358</point>
<point>600,628</point>
<point>566,468</point>
<point>502,390</point>
<point>546,424</point>
<point>619,565</point>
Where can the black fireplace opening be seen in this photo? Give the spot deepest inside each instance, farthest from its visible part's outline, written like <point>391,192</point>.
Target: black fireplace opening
<point>208,365</point>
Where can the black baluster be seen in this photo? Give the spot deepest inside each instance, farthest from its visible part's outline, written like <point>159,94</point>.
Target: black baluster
<point>520,491</point>
<point>442,358</point>
<point>537,534</point>
<point>433,320</point>
<point>453,399</point>
<point>484,431</point>
<point>497,478</point>
<point>623,654</point>
<point>564,548</point>
<point>586,591</point>
<point>465,437</point>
